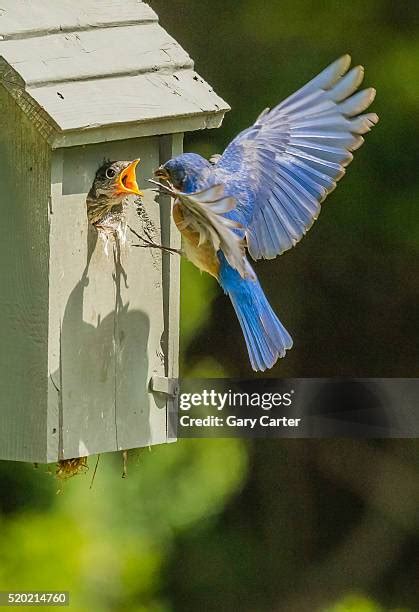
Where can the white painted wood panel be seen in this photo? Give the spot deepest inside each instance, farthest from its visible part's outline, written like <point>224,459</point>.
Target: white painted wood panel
<point>84,105</point>
<point>109,313</point>
<point>81,66</point>
<point>94,54</point>
<point>24,180</point>
<point>159,127</point>
<point>170,146</point>
<point>23,18</point>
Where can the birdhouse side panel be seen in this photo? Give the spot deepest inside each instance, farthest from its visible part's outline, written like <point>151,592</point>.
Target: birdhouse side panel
<point>107,310</point>
<point>24,271</point>
<point>171,146</point>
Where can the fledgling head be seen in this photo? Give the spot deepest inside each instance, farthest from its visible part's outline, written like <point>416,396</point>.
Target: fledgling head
<point>113,182</point>
<point>184,171</point>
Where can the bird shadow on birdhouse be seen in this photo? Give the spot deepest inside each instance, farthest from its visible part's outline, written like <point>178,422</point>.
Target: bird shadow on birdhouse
<point>104,366</point>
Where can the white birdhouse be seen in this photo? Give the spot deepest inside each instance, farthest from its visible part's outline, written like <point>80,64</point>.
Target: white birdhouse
<point>88,340</point>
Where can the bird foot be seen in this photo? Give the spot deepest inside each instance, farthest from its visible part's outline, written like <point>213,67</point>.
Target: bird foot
<point>153,245</point>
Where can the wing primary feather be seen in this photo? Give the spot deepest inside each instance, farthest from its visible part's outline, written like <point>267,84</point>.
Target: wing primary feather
<point>294,155</point>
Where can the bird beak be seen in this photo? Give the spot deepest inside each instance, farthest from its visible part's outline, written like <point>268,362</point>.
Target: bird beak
<point>127,182</point>
<point>161,173</point>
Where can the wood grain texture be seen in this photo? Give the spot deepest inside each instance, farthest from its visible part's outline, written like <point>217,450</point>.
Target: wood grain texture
<point>82,66</point>
<point>106,314</point>
<point>25,18</point>
<point>94,54</point>
<point>170,146</point>
<point>84,105</point>
<point>24,270</point>
<point>141,129</point>
<point>82,332</point>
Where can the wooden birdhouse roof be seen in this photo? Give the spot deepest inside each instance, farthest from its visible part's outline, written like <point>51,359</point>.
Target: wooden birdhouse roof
<point>89,70</point>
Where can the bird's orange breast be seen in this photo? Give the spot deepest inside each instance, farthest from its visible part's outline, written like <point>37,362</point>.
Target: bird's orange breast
<point>202,256</point>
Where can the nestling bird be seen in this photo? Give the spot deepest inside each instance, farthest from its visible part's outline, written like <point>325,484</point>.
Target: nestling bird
<point>267,189</point>
<point>107,199</point>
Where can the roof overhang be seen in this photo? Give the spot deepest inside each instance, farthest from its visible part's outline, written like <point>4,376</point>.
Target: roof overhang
<point>100,74</point>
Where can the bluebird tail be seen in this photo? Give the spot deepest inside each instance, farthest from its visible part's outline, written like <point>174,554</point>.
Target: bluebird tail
<point>266,337</point>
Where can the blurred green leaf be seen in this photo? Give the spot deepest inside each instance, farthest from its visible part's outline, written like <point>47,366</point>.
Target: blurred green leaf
<point>355,603</point>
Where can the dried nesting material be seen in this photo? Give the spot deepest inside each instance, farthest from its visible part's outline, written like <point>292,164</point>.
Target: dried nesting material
<point>67,468</point>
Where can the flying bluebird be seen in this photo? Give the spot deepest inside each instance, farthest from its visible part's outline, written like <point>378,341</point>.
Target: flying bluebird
<point>266,191</point>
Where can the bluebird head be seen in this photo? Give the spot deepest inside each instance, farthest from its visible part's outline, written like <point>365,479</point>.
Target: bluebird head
<point>184,171</point>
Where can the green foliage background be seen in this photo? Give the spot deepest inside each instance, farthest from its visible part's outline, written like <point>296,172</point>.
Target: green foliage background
<point>328,526</point>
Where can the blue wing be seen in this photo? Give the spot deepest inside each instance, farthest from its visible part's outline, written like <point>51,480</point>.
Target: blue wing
<point>293,156</point>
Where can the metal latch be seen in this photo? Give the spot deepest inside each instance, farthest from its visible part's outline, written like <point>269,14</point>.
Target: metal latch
<point>163,384</point>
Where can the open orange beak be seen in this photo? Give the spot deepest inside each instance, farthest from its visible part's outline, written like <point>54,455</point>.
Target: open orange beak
<point>127,182</point>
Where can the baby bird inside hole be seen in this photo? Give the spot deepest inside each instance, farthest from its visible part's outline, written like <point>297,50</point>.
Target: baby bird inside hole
<point>114,183</point>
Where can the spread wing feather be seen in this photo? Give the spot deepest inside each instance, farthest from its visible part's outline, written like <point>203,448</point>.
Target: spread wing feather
<point>294,154</point>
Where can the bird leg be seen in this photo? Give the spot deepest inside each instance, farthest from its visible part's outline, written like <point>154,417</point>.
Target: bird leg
<point>152,245</point>
<point>164,189</point>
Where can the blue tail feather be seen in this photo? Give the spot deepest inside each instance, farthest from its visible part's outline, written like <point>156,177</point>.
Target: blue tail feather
<point>266,338</point>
